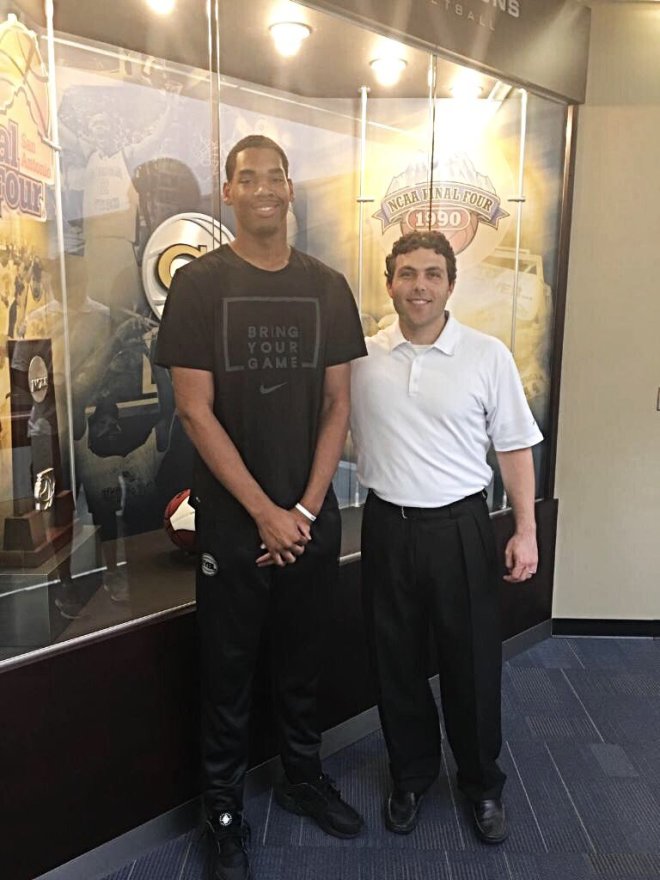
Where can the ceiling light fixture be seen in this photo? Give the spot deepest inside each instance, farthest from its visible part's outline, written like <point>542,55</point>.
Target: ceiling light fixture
<point>388,69</point>
<point>289,36</point>
<point>466,86</point>
<point>161,7</point>
<point>466,92</point>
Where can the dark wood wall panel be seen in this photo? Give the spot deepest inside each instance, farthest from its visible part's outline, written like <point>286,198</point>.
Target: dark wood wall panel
<point>94,742</point>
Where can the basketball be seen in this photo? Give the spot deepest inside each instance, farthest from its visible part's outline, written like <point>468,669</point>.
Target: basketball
<point>179,521</point>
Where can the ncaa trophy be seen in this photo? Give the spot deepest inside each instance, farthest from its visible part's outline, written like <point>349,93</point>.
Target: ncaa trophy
<point>41,518</point>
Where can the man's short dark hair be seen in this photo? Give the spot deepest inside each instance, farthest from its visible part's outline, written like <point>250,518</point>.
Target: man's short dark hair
<point>258,142</point>
<point>433,241</point>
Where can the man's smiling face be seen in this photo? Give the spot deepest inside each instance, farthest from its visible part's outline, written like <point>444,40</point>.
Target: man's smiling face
<point>420,289</point>
<point>259,192</point>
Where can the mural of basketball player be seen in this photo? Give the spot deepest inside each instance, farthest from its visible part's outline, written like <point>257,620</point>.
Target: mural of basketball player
<point>167,187</point>
<point>118,448</point>
<point>116,459</point>
<point>110,204</point>
<point>131,465</point>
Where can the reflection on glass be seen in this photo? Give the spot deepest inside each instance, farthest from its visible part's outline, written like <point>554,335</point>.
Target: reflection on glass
<point>135,138</point>
<point>411,142</point>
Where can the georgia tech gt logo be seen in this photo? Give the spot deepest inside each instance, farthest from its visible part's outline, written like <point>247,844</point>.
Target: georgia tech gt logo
<point>177,241</point>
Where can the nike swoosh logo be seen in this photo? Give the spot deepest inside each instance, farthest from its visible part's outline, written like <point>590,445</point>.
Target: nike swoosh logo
<point>268,389</point>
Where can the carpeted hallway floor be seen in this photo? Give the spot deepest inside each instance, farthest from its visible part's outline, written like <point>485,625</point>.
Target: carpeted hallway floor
<point>582,754</point>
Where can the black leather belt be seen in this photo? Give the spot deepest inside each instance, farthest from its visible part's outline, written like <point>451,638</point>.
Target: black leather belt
<point>446,510</point>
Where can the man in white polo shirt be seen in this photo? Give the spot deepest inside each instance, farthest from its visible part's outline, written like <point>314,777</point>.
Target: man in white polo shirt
<point>426,405</point>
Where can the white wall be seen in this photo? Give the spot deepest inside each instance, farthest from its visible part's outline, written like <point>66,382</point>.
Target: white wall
<point>608,465</point>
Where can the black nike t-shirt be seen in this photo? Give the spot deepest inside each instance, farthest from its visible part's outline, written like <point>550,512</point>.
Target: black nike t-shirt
<point>267,337</point>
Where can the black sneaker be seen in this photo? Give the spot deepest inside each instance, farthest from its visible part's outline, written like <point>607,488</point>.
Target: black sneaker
<point>321,801</point>
<point>229,837</point>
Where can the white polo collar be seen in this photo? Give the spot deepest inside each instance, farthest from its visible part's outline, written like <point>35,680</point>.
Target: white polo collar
<point>446,341</point>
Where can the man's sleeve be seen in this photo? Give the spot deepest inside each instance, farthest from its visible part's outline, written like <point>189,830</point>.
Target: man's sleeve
<point>185,337</point>
<point>345,337</point>
<point>509,420</point>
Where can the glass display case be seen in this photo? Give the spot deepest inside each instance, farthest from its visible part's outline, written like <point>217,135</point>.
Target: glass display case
<point>113,136</point>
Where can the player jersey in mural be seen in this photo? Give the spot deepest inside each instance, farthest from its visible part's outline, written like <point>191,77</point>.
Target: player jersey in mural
<point>267,337</point>
<point>110,200</point>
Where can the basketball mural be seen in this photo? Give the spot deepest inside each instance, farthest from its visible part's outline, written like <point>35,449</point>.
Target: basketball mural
<point>140,173</point>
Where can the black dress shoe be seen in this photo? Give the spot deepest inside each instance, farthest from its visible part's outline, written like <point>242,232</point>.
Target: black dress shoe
<point>490,820</point>
<point>402,811</point>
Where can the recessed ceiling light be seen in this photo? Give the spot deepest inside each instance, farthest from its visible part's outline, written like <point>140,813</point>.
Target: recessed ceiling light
<point>289,36</point>
<point>388,69</point>
<point>162,7</point>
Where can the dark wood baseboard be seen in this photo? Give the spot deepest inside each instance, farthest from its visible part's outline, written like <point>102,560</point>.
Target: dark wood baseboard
<point>580,626</point>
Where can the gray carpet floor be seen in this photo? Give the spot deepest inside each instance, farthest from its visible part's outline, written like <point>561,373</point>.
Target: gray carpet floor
<point>581,721</point>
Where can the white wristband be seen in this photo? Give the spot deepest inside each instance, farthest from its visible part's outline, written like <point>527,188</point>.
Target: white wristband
<point>305,512</point>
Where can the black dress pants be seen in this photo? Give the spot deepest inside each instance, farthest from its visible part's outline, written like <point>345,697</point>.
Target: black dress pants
<point>235,599</point>
<point>435,568</point>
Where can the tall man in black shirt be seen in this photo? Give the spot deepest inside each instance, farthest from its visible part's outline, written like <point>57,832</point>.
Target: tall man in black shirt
<point>259,338</point>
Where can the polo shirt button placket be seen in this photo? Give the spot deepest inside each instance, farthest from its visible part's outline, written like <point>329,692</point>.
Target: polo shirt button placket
<point>413,383</point>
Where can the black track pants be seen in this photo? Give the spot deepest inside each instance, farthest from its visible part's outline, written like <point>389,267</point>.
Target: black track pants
<point>234,601</point>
